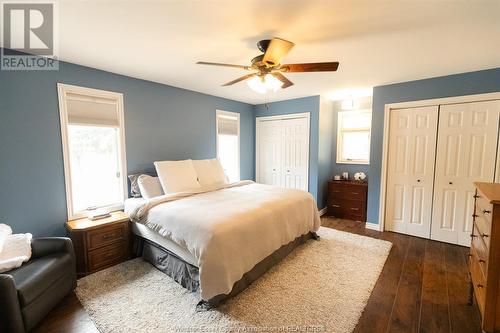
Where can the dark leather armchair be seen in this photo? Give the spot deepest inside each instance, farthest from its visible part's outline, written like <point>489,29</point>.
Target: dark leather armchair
<point>29,292</point>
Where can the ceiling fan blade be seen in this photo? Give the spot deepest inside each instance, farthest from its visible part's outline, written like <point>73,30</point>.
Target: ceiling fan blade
<point>240,79</point>
<point>286,83</point>
<point>310,67</point>
<point>221,64</point>
<point>278,48</point>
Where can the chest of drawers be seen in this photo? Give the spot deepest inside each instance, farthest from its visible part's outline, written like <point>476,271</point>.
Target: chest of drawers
<point>484,256</point>
<point>347,199</point>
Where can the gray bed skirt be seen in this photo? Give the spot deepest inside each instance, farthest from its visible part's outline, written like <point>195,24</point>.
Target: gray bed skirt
<point>187,275</point>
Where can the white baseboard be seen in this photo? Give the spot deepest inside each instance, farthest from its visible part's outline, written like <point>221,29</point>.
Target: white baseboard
<point>322,212</point>
<point>372,226</point>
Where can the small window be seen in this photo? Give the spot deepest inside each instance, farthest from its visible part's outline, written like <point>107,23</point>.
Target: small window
<point>353,137</point>
<point>94,149</point>
<point>228,143</point>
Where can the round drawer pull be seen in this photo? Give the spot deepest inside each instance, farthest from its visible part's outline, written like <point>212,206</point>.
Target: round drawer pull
<point>480,285</point>
<point>482,261</point>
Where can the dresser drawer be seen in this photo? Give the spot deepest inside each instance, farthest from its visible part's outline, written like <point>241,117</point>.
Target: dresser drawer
<point>479,247</point>
<point>105,236</point>
<point>484,229</point>
<point>107,255</point>
<point>478,280</point>
<point>483,207</point>
<point>348,192</point>
<point>347,209</point>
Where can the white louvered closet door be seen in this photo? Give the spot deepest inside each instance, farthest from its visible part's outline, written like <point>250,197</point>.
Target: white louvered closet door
<point>466,153</point>
<point>270,151</point>
<point>412,147</point>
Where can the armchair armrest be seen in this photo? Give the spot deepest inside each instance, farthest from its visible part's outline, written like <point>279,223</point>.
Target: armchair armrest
<point>48,245</point>
<point>10,312</point>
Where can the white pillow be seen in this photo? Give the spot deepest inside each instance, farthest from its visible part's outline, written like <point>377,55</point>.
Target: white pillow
<point>209,172</point>
<point>150,186</point>
<point>177,176</point>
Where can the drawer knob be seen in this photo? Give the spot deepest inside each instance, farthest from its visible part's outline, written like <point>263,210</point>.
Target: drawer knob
<point>485,235</point>
<point>472,235</point>
<point>418,180</point>
<point>476,196</point>
<point>480,285</point>
<point>356,193</point>
<point>354,208</point>
<point>474,215</point>
<point>336,206</point>
<point>482,261</point>
<point>486,211</point>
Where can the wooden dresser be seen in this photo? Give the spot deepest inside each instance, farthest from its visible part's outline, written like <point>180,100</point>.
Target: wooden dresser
<point>99,244</point>
<point>347,199</point>
<point>484,257</point>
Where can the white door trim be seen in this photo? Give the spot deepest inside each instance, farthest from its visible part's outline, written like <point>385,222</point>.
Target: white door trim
<point>259,120</point>
<point>414,104</point>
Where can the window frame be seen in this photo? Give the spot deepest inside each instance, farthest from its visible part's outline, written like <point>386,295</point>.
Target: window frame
<point>229,114</point>
<point>63,91</point>
<point>340,138</point>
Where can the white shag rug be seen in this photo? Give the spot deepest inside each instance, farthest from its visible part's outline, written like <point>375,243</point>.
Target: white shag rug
<point>321,286</point>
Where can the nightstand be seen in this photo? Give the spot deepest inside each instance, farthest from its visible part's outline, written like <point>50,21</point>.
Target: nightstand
<point>99,244</point>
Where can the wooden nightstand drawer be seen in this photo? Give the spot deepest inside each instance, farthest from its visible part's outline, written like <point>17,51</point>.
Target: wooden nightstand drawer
<point>107,256</point>
<point>104,236</point>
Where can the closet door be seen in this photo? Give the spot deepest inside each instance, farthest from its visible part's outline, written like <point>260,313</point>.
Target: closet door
<point>412,147</point>
<point>270,152</point>
<point>295,156</point>
<point>466,153</point>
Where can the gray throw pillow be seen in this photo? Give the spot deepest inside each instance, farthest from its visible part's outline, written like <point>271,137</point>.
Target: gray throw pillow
<point>134,186</point>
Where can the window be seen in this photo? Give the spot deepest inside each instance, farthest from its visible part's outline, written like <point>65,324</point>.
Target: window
<point>228,143</point>
<point>94,149</point>
<point>353,137</point>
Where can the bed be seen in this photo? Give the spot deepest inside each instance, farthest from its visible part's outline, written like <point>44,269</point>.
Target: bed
<point>218,240</point>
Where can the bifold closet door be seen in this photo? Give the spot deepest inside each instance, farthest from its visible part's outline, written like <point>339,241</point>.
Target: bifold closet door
<point>410,174</point>
<point>295,138</point>
<point>466,153</point>
<point>270,152</point>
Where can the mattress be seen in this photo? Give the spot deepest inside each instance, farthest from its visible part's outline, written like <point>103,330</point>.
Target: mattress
<point>145,232</point>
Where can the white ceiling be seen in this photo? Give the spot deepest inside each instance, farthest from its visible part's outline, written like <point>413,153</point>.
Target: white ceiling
<point>376,42</point>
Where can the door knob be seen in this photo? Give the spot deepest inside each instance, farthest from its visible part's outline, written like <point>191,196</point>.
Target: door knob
<point>451,183</point>
<point>418,180</point>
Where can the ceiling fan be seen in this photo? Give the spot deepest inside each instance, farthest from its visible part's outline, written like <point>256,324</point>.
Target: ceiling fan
<point>267,69</point>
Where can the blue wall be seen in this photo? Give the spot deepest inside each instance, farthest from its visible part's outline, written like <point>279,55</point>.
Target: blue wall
<point>299,105</point>
<point>161,122</point>
<point>446,86</point>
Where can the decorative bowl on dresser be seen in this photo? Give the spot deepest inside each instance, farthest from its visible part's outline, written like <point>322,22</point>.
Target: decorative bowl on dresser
<point>484,257</point>
<point>347,199</point>
<point>101,243</point>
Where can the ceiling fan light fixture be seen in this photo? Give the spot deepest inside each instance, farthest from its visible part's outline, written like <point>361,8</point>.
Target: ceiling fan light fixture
<point>257,84</point>
<point>272,83</point>
<point>262,83</point>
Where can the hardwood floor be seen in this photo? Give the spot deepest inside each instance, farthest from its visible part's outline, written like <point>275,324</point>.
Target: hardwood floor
<point>422,288</point>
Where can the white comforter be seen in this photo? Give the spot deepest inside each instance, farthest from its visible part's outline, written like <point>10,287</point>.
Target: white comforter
<point>229,230</point>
